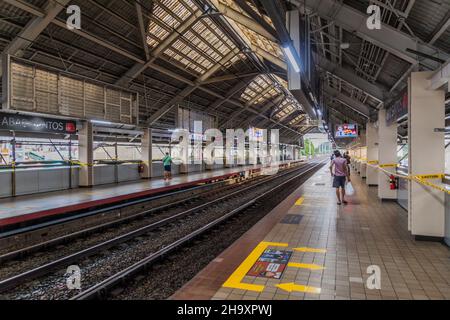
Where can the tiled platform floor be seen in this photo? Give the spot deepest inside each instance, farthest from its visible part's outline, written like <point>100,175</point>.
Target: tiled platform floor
<point>364,233</point>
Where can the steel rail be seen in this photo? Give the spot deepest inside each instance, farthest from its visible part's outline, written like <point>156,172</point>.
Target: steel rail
<point>95,229</point>
<point>102,288</point>
<point>99,211</point>
<point>46,268</point>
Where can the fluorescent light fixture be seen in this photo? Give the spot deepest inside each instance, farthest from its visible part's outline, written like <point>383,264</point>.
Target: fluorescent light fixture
<point>290,55</point>
<point>319,113</point>
<point>102,122</point>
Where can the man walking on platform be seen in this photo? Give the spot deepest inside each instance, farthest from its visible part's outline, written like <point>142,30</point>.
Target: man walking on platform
<point>340,174</point>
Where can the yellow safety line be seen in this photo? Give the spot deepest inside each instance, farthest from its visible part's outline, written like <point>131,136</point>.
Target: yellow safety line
<point>313,250</point>
<point>305,266</point>
<point>300,201</point>
<point>289,287</point>
<point>234,281</point>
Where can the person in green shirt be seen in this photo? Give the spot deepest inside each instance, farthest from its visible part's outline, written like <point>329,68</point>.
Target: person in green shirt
<point>167,162</point>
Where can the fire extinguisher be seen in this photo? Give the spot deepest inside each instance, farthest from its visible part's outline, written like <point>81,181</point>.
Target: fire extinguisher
<point>393,182</point>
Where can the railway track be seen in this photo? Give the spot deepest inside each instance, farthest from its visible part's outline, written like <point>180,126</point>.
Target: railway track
<point>110,262</point>
<point>122,212</point>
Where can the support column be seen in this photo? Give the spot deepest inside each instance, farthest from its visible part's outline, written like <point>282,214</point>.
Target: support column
<point>426,156</point>
<point>6,81</point>
<point>358,161</point>
<point>362,154</point>
<point>372,154</point>
<point>86,154</point>
<point>387,155</point>
<point>147,154</point>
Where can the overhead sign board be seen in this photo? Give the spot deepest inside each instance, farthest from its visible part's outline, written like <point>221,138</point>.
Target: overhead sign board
<point>346,131</point>
<point>27,123</point>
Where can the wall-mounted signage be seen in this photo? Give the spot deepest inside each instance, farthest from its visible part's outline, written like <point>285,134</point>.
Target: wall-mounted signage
<point>397,110</point>
<point>26,123</point>
<point>346,131</point>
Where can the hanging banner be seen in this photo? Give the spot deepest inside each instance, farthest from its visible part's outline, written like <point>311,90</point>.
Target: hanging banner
<point>26,123</point>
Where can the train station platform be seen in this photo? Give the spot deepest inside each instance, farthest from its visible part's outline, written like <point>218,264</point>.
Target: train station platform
<point>25,209</point>
<point>310,248</point>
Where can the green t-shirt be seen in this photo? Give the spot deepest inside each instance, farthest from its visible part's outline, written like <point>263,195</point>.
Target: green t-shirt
<point>167,161</point>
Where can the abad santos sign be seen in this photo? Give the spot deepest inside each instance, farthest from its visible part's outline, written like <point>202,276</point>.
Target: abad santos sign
<point>27,123</point>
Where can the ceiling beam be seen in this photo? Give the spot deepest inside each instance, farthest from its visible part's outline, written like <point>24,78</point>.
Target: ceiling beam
<point>346,115</point>
<point>247,105</point>
<point>142,30</point>
<point>190,88</point>
<point>244,20</point>
<point>440,29</point>
<point>139,67</point>
<point>374,90</point>
<point>235,89</point>
<point>441,77</point>
<point>34,27</point>
<point>38,12</point>
<point>387,38</point>
<point>355,105</point>
<point>228,77</point>
<point>257,17</point>
<point>255,49</point>
<point>269,105</point>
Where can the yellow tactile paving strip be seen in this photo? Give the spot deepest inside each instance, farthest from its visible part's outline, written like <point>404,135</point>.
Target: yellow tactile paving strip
<point>333,246</point>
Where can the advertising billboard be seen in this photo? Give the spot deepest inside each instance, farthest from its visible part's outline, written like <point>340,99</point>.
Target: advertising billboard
<point>346,131</point>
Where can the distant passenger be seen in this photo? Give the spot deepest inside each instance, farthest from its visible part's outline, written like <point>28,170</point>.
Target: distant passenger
<point>341,173</point>
<point>167,162</point>
<point>347,157</point>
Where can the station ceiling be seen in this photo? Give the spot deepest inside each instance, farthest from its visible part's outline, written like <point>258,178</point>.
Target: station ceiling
<point>224,57</point>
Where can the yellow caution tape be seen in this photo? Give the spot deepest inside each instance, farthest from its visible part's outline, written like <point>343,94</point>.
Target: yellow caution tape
<point>372,162</point>
<point>79,163</point>
<point>388,165</point>
<point>422,179</point>
<point>430,176</point>
<point>432,185</point>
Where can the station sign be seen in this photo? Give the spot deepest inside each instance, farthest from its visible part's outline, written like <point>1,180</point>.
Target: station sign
<point>27,123</point>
